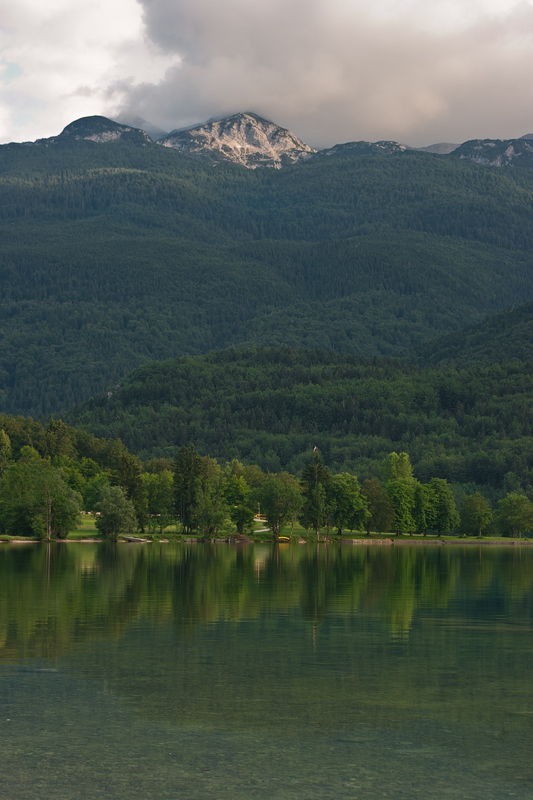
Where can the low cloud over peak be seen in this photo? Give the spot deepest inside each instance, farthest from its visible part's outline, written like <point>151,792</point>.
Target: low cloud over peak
<point>330,71</point>
<point>339,70</point>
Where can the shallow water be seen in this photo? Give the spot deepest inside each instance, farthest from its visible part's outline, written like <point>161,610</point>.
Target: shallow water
<point>190,671</point>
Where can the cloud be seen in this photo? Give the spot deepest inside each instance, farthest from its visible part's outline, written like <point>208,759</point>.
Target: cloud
<point>339,70</point>
<point>59,58</point>
<point>330,70</point>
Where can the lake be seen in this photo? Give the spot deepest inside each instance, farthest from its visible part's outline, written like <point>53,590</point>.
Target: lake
<point>281,673</point>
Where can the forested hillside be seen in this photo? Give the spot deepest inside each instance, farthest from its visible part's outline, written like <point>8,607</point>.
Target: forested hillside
<point>503,337</point>
<point>115,254</point>
<point>270,407</point>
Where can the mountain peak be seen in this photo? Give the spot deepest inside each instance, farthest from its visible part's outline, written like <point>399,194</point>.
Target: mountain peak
<point>244,138</point>
<point>497,152</point>
<point>101,129</point>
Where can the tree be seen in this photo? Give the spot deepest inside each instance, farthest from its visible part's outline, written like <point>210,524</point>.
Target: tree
<point>281,500</point>
<point>117,513</point>
<point>476,514</point>
<point>211,509</point>
<point>189,471</point>
<point>515,514</point>
<point>58,439</point>
<point>64,506</point>
<point>253,475</point>
<point>443,513</point>
<point>238,497</point>
<point>128,476</point>
<point>159,492</point>
<point>402,496</point>
<point>314,478</point>
<point>424,507</point>
<point>397,467</point>
<point>5,451</point>
<point>346,506</point>
<point>36,501</point>
<point>380,507</point>
<point>91,495</point>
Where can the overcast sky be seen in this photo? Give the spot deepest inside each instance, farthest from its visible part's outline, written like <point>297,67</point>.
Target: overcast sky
<point>415,71</point>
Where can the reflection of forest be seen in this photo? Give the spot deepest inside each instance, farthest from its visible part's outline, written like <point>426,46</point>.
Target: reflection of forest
<point>54,598</point>
<point>284,637</point>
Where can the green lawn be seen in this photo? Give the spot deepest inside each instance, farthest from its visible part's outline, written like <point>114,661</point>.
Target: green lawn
<point>87,530</point>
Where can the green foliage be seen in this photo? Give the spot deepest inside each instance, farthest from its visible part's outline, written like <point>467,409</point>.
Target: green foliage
<point>116,513</point>
<point>270,407</point>
<point>443,514</point>
<point>346,507</point>
<point>210,509</point>
<point>36,501</point>
<point>92,491</point>
<point>424,500</point>
<point>190,469</point>
<point>5,451</point>
<point>159,494</point>
<point>402,496</point>
<point>281,499</point>
<point>397,467</point>
<point>239,499</point>
<point>115,254</point>
<point>503,337</point>
<point>380,508</point>
<point>315,477</point>
<point>476,514</point>
<point>83,462</point>
<point>515,514</point>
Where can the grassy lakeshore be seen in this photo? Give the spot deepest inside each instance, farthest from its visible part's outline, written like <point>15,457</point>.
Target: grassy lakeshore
<point>87,530</point>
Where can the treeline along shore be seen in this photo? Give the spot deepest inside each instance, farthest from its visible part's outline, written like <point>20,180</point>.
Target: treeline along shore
<point>49,475</point>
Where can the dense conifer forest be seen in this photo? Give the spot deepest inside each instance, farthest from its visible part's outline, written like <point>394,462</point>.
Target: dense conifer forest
<point>507,336</point>
<point>471,425</point>
<point>121,253</point>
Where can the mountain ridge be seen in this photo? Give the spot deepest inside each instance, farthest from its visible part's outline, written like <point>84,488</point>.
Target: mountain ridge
<point>500,338</point>
<point>117,251</point>
<point>247,139</point>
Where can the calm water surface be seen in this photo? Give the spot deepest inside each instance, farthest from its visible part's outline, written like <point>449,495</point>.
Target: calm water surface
<point>303,673</point>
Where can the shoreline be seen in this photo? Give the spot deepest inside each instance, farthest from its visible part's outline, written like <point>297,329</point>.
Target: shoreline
<point>385,542</point>
<point>453,542</point>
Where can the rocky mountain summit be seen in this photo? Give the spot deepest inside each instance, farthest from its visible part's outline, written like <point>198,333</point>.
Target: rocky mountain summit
<point>243,138</point>
<point>251,141</point>
<point>498,152</point>
<point>361,149</point>
<point>101,129</point>
<point>96,129</point>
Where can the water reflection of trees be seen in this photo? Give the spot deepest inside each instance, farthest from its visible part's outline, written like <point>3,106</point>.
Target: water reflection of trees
<point>53,599</point>
<point>301,638</point>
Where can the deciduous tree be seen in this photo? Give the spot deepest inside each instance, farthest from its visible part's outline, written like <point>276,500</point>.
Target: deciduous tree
<point>515,514</point>
<point>281,500</point>
<point>443,513</point>
<point>117,513</point>
<point>380,507</point>
<point>476,515</point>
<point>36,501</point>
<point>346,506</point>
